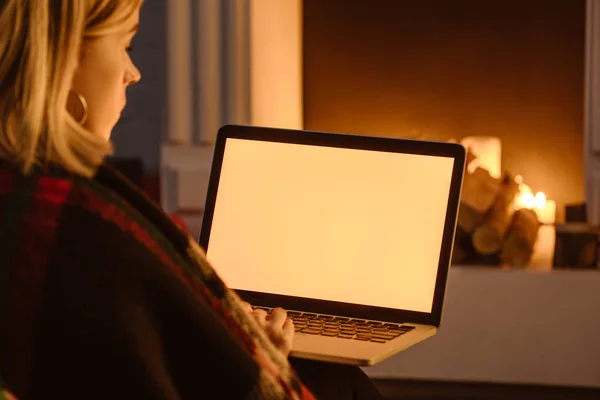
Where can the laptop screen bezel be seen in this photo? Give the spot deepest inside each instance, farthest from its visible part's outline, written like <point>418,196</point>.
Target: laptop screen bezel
<point>405,146</point>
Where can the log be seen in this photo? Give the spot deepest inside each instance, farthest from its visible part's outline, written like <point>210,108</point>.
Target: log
<point>468,218</point>
<point>480,190</point>
<point>463,250</point>
<point>489,236</point>
<point>478,194</point>
<point>520,240</point>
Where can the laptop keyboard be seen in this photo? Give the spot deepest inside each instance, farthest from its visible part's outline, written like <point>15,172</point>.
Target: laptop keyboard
<point>345,328</point>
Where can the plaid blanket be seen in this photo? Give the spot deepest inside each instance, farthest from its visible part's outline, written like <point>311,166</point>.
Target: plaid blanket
<point>4,394</point>
<point>103,296</point>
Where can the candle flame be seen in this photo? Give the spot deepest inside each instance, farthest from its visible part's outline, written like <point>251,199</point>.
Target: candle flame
<point>540,200</point>
<point>544,208</point>
<point>526,200</point>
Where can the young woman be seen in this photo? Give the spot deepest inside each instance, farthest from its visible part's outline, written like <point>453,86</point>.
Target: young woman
<point>101,295</point>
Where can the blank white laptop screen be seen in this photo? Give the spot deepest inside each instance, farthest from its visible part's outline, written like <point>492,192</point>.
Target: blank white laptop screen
<point>353,226</point>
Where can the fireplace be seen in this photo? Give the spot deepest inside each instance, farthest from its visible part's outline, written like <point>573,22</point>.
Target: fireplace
<point>509,69</point>
<point>499,74</point>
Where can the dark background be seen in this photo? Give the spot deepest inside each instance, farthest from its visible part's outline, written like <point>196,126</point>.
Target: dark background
<point>454,68</point>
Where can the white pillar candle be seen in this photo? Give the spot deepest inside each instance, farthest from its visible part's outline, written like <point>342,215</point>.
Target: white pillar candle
<point>547,212</point>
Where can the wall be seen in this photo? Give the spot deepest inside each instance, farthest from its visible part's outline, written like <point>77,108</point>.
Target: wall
<point>508,68</point>
<point>139,132</point>
<point>275,63</point>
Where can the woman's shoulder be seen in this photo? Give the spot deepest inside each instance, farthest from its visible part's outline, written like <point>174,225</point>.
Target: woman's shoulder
<point>52,203</point>
<point>63,225</point>
<point>52,191</point>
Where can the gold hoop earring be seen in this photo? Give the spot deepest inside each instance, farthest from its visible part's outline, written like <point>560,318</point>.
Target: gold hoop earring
<point>84,107</point>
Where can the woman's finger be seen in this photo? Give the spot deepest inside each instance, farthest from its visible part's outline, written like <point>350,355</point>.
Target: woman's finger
<point>247,307</point>
<point>260,316</point>
<point>278,317</point>
<point>288,327</point>
<point>287,337</point>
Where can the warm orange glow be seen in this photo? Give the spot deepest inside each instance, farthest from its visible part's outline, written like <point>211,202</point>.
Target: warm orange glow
<point>525,200</point>
<point>544,208</point>
<point>487,151</point>
<point>524,188</point>
<point>519,179</point>
<point>540,200</point>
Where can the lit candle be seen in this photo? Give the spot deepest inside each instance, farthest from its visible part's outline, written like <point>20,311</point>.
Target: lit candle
<point>487,150</point>
<point>547,212</point>
<point>525,197</point>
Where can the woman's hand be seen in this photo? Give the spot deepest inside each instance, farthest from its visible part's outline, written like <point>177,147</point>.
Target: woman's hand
<point>277,325</point>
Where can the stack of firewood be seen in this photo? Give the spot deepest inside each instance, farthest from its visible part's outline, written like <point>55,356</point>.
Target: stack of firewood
<point>490,230</point>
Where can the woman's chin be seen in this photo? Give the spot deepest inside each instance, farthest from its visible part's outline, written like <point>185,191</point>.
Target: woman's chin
<point>106,134</point>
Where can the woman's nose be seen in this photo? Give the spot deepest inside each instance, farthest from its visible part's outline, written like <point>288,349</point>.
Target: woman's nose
<point>133,75</point>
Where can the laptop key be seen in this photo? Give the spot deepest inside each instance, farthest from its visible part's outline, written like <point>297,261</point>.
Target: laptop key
<point>393,326</point>
<point>396,333</point>
<point>380,336</point>
<point>364,339</point>
<point>378,340</point>
<point>311,331</point>
<point>379,330</point>
<point>407,327</point>
<point>324,318</point>
<point>341,319</point>
<point>326,333</point>
<point>344,336</point>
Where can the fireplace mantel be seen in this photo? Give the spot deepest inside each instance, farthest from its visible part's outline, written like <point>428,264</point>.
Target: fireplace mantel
<point>510,326</point>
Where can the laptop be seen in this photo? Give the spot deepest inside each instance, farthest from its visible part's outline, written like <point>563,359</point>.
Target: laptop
<point>352,235</point>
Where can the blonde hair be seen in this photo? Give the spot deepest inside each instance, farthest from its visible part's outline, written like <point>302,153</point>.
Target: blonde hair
<point>40,47</point>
